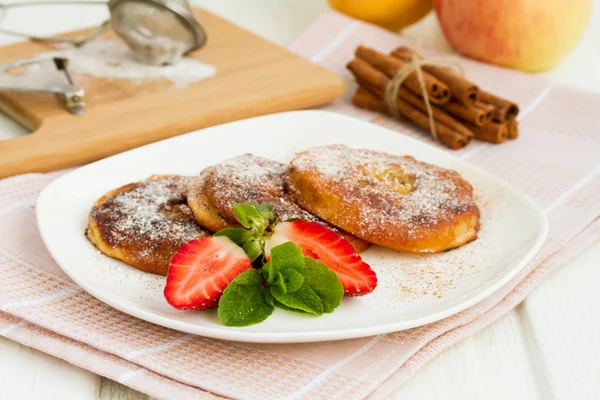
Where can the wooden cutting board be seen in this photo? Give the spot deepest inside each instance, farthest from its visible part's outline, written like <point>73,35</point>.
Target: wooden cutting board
<point>254,77</point>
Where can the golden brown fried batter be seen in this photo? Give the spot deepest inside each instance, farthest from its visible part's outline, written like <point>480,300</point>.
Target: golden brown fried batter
<point>389,200</point>
<point>144,223</point>
<point>246,179</point>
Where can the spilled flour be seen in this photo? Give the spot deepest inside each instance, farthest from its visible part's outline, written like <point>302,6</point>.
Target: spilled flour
<point>113,59</point>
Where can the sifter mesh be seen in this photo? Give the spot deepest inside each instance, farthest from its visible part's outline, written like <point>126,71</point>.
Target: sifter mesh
<point>155,34</point>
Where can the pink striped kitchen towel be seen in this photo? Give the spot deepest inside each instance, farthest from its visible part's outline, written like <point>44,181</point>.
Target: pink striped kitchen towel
<point>555,161</point>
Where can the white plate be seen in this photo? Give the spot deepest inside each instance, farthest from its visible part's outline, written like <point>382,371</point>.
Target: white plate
<point>413,289</point>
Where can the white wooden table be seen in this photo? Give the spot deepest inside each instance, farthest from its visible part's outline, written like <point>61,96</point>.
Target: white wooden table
<point>548,348</point>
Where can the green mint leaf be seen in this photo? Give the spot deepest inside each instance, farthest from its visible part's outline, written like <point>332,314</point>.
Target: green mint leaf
<point>291,279</point>
<point>253,247</point>
<point>244,301</point>
<point>269,272</point>
<point>286,308</point>
<point>285,267</point>
<point>266,211</point>
<point>287,255</point>
<point>269,297</point>
<point>237,235</point>
<point>280,282</point>
<point>304,299</point>
<point>250,217</point>
<point>287,279</point>
<point>324,282</point>
<point>247,240</point>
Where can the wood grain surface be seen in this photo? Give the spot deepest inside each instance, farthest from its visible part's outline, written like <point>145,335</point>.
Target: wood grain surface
<point>254,77</point>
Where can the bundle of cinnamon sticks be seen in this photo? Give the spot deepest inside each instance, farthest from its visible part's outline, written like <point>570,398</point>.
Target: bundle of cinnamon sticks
<point>460,110</point>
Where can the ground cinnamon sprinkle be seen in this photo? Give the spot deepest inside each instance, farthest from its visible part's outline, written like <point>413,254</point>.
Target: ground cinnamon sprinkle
<point>429,282</point>
<point>407,278</point>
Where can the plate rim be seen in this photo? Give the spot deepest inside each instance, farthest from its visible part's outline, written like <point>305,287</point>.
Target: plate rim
<point>239,335</point>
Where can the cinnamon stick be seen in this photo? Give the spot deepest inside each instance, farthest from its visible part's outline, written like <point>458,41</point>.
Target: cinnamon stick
<point>464,91</point>
<point>365,72</point>
<point>504,109</point>
<point>513,128</point>
<point>438,114</point>
<point>494,132</point>
<point>489,109</point>
<point>376,81</point>
<point>471,113</point>
<point>438,92</point>
<point>454,140</point>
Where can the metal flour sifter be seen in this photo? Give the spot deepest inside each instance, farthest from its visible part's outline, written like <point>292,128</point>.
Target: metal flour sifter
<point>159,32</point>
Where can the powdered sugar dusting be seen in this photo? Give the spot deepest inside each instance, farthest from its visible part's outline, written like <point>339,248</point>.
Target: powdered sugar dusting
<point>252,179</point>
<point>149,219</point>
<point>114,60</point>
<point>387,190</point>
<point>125,276</point>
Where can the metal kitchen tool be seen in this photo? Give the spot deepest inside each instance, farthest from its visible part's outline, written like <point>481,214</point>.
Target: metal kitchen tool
<point>43,75</point>
<point>159,32</point>
<point>129,113</point>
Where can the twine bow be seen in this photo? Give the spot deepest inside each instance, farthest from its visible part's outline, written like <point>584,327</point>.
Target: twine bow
<point>415,65</point>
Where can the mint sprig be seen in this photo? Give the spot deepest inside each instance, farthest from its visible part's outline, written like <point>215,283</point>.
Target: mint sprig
<point>288,280</point>
<point>249,241</point>
<point>324,282</point>
<point>300,282</point>
<point>295,283</point>
<point>256,219</point>
<point>285,268</point>
<point>304,299</point>
<point>244,301</point>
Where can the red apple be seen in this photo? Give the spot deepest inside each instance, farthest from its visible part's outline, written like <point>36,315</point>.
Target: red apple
<point>530,35</point>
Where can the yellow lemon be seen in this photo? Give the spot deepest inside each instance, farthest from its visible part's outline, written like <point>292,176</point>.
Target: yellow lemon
<point>390,14</point>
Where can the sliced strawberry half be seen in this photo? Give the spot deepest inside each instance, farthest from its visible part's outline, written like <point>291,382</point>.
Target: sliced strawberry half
<point>323,244</point>
<point>200,271</point>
